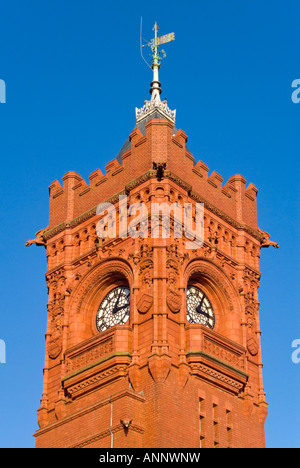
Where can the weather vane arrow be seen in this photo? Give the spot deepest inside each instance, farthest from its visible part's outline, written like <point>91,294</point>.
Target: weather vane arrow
<point>157,56</point>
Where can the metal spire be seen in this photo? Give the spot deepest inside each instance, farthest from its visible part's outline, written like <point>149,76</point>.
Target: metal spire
<point>155,90</point>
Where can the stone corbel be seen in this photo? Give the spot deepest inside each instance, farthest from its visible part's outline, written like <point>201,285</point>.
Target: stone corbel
<point>159,367</point>
<point>134,375</point>
<point>183,374</point>
<point>42,413</point>
<point>60,405</point>
<point>262,411</point>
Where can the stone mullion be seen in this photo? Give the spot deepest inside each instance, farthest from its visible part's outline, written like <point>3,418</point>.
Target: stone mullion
<point>163,293</point>
<point>155,341</point>
<point>182,349</point>
<point>160,333</point>
<point>135,321</point>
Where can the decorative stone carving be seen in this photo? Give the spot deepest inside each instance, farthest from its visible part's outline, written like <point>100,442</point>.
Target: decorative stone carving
<point>142,250</point>
<point>252,345</point>
<point>223,353</point>
<point>144,299</point>
<point>112,372</point>
<point>265,241</point>
<point>56,282</point>
<point>39,239</point>
<point>172,250</point>
<point>249,291</point>
<point>144,302</point>
<point>159,168</point>
<point>89,356</point>
<point>159,367</point>
<point>215,375</point>
<point>134,375</point>
<point>174,297</point>
<point>55,340</point>
<point>150,107</point>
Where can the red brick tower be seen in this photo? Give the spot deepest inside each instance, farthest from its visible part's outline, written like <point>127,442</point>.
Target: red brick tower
<point>150,343</point>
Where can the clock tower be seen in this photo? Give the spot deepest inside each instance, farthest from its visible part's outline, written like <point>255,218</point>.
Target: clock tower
<point>153,336</point>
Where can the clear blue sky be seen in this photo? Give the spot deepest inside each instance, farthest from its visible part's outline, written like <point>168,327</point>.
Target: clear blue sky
<point>74,77</point>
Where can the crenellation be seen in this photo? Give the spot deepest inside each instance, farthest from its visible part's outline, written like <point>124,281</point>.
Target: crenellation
<point>76,196</point>
<point>202,168</point>
<point>81,184</point>
<point>251,191</point>
<point>95,176</point>
<point>230,188</point>
<point>112,166</point>
<point>54,187</point>
<point>215,180</point>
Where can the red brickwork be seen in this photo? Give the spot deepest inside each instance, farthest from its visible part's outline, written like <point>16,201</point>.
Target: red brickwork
<point>157,381</point>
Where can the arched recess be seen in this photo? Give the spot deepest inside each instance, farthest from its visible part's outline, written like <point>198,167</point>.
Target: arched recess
<point>89,294</point>
<point>212,280</point>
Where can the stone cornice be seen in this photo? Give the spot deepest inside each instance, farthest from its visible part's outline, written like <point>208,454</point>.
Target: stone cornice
<point>191,354</point>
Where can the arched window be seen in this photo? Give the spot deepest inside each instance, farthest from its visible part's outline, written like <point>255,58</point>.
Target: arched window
<point>101,300</point>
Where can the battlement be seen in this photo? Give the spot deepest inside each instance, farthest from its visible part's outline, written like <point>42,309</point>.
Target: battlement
<point>156,141</point>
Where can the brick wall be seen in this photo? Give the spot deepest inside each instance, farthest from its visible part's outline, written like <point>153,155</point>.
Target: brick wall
<point>176,384</point>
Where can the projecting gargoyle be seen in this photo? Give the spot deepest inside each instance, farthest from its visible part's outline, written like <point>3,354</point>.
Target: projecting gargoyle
<point>159,168</point>
<point>266,242</point>
<point>39,239</point>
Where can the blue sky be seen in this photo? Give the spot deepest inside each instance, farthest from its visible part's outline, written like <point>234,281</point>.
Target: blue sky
<point>74,76</point>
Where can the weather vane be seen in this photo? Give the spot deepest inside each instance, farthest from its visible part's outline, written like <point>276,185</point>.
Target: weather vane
<point>156,57</point>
